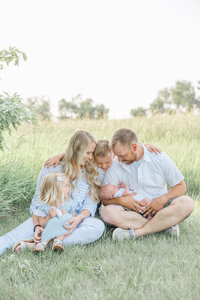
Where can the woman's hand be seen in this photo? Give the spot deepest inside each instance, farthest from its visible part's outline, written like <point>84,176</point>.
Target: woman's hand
<point>37,234</point>
<point>72,224</point>
<point>152,148</point>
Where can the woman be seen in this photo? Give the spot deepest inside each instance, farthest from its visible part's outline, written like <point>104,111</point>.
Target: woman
<point>78,165</point>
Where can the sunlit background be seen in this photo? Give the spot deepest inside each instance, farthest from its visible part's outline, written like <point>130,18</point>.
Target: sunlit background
<point>119,53</point>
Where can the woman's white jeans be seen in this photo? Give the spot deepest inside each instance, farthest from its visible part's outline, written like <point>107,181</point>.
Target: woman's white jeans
<point>88,231</point>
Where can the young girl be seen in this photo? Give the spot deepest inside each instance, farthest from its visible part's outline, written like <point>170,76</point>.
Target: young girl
<point>54,197</point>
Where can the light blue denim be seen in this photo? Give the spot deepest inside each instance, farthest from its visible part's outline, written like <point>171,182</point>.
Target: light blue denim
<point>86,232</point>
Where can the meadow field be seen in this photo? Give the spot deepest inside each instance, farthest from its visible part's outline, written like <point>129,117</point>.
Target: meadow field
<point>153,267</point>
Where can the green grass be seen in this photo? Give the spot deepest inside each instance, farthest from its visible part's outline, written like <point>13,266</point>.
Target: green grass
<point>154,267</point>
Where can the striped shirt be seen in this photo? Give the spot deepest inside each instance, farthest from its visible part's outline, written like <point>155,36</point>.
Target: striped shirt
<point>80,193</point>
<point>149,178</point>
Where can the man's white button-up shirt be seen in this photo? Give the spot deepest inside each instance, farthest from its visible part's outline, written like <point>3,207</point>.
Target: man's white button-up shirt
<point>153,174</point>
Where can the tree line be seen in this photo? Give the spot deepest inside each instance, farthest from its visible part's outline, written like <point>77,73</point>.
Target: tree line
<point>179,98</point>
<point>77,107</point>
<point>13,111</point>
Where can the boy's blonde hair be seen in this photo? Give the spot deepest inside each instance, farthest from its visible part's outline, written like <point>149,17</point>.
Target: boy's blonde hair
<point>50,189</point>
<point>73,158</point>
<point>103,147</point>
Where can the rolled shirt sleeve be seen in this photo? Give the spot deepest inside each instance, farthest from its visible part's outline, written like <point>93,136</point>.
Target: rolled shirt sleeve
<point>82,197</point>
<point>171,173</point>
<point>90,205</point>
<point>40,213</point>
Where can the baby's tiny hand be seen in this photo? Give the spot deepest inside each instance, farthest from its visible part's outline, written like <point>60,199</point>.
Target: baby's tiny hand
<point>122,185</point>
<point>63,211</point>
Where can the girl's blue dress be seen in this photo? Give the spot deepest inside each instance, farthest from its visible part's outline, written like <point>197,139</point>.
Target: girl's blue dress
<point>54,227</point>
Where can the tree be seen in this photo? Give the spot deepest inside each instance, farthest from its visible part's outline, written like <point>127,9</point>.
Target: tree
<point>67,109</point>
<point>198,98</point>
<point>12,110</point>
<point>80,108</point>
<point>40,106</point>
<point>11,55</point>
<point>138,112</point>
<point>162,103</point>
<point>183,95</point>
<point>101,111</point>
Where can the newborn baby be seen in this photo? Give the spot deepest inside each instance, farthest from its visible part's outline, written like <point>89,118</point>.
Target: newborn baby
<point>110,191</point>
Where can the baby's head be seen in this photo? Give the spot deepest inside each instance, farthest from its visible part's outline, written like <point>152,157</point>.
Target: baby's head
<point>54,188</point>
<point>108,191</point>
<point>103,155</point>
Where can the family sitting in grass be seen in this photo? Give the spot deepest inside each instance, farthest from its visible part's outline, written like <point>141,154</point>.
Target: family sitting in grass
<point>129,178</point>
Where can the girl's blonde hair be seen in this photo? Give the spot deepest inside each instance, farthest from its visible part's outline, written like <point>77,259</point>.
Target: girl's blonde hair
<point>73,159</point>
<point>50,190</point>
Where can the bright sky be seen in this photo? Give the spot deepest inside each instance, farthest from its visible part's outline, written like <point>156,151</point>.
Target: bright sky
<point>117,52</point>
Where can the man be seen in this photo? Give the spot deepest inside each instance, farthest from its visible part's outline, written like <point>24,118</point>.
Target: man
<point>148,174</point>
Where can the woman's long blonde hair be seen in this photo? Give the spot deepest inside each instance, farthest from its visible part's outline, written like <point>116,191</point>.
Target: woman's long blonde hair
<point>50,190</point>
<point>73,159</point>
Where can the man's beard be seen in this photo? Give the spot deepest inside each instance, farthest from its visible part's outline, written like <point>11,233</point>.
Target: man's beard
<point>130,161</point>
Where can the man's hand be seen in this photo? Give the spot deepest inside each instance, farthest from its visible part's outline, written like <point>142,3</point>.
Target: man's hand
<point>152,148</point>
<point>156,205</point>
<point>131,203</point>
<point>37,234</point>
<point>72,224</point>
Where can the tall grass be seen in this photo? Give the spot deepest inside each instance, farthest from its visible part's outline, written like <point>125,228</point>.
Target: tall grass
<point>27,149</point>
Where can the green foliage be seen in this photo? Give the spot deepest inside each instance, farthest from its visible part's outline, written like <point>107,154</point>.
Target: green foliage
<point>162,103</point>
<point>12,114</point>
<point>78,108</point>
<point>11,55</point>
<point>183,96</point>
<point>30,146</point>
<point>154,267</point>
<point>17,186</point>
<point>39,106</point>
<point>180,98</point>
<point>12,110</point>
<point>139,112</point>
